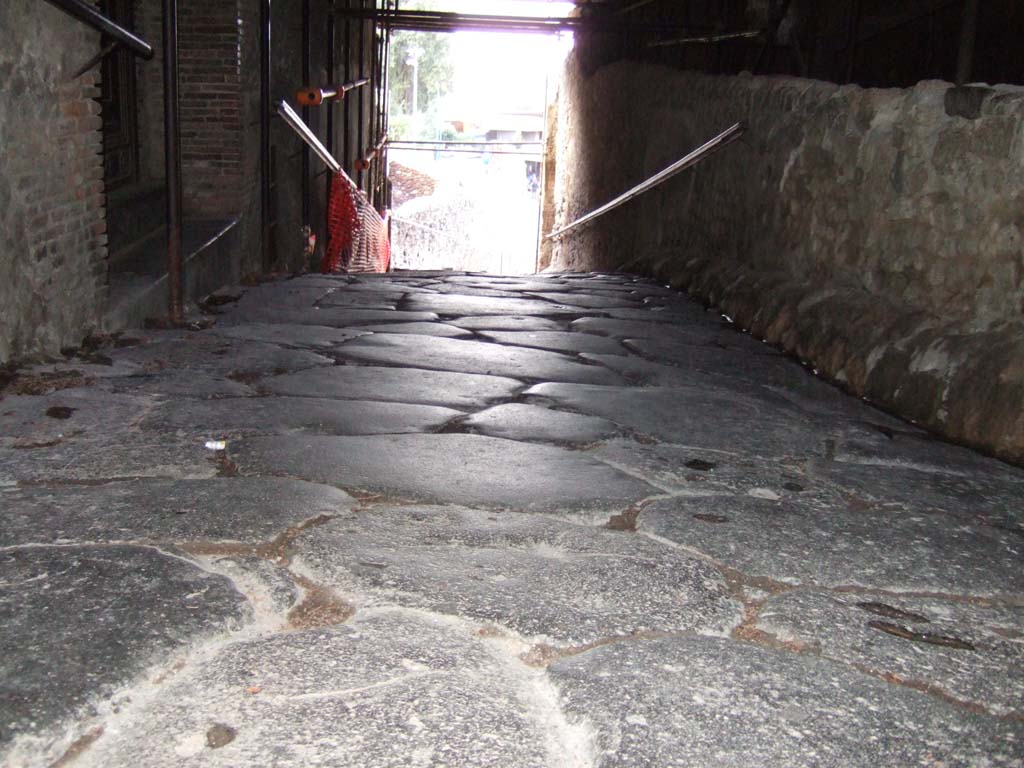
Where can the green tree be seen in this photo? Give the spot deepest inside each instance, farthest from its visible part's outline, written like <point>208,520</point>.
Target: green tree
<point>431,52</point>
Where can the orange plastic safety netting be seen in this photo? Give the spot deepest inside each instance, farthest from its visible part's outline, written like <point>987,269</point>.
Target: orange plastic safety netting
<point>357,236</point>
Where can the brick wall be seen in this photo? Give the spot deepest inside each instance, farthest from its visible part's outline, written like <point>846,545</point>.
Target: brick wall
<point>211,106</point>
<point>52,226</point>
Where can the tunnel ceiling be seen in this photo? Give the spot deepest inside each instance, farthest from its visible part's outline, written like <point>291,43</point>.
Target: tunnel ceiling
<point>879,43</point>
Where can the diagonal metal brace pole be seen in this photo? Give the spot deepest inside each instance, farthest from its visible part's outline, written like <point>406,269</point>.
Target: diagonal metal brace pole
<point>725,137</point>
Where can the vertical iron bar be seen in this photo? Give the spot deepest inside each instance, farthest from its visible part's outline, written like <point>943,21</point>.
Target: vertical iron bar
<point>346,159</point>
<point>361,113</point>
<point>387,104</point>
<point>379,115</point>
<point>172,164</point>
<point>371,176</point>
<point>851,40</point>
<point>968,35</point>
<point>306,55</point>
<point>265,74</point>
<point>331,78</point>
<point>330,106</point>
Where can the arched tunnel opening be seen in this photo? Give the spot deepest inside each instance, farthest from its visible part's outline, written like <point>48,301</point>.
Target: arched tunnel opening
<point>512,383</point>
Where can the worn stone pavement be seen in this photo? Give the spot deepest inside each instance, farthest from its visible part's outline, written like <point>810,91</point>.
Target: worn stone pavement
<point>450,519</point>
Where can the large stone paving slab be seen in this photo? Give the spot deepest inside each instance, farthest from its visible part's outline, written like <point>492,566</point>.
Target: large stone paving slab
<point>698,417</point>
<point>272,415</point>
<point>765,366</point>
<point>469,290</point>
<point>542,577</point>
<point>558,341</point>
<point>517,421</point>
<point>362,299</point>
<point>451,305</point>
<point>250,510</point>
<point>217,355</point>
<point>642,335</point>
<point>424,329</point>
<point>182,383</point>
<point>78,622</point>
<point>68,413</point>
<point>650,329</point>
<point>902,446</point>
<point>117,455</point>
<point>877,547</point>
<point>334,317</point>
<point>288,334</point>
<point>987,495</point>
<point>706,702</point>
<point>473,357</point>
<point>589,300</point>
<point>389,689</point>
<point>970,652</point>
<point>401,385</point>
<point>510,323</point>
<point>447,469</point>
<point>694,471</point>
<point>259,302</point>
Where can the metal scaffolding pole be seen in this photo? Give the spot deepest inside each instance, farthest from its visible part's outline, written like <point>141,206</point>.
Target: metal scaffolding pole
<point>172,165</point>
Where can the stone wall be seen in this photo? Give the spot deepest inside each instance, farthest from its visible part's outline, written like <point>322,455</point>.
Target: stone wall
<point>873,233</point>
<point>52,227</point>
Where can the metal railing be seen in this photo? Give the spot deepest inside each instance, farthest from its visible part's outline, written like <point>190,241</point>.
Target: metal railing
<point>725,137</point>
<point>90,16</point>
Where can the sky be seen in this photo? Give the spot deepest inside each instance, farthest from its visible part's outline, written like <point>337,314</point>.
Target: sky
<point>501,72</point>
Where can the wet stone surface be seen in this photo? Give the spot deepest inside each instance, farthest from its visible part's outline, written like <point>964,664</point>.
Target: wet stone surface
<point>473,357</point>
<point>447,469</point>
<point>510,323</point>
<point>517,421</point>
<point>424,329</point>
<point>233,417</point>
<point>572,343</point>
<point>443,518</point>
<point>396,385</point>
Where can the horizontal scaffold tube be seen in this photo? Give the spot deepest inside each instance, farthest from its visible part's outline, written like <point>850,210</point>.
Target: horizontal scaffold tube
<point>364,162</point>
<point>312,97</point>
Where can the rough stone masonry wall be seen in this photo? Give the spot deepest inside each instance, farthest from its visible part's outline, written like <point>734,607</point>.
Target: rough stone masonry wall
<point>52,225</point>
<point>874,233</point>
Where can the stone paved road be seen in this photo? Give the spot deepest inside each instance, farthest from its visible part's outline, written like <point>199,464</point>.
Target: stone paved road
<point>443,519</point>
